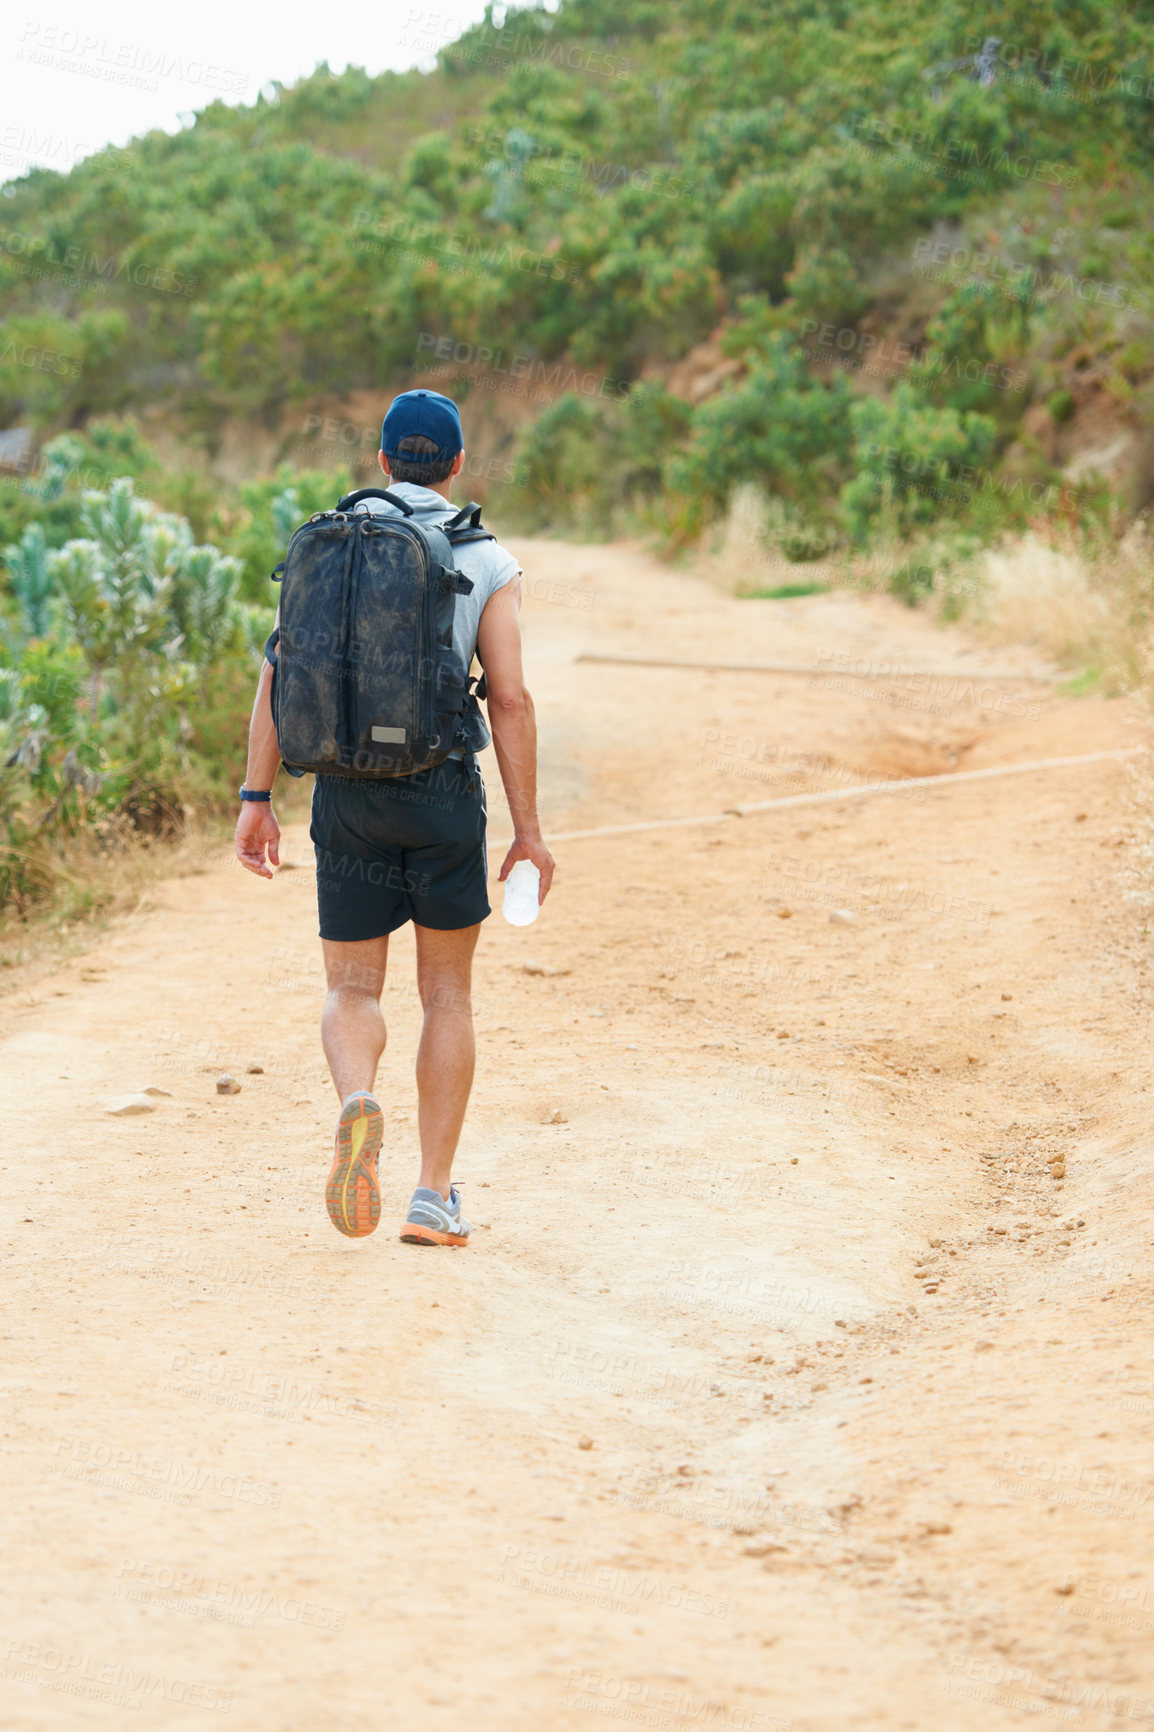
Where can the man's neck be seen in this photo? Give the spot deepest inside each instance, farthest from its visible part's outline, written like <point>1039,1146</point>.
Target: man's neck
<point>444,488</point>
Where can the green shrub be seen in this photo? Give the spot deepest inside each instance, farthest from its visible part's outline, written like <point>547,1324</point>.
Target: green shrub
<point>257,532</point>
<point>588,463</point>
<point>121,651</point>
<point>912,582</point>
<point>915,462</point>
<point>777,426</point>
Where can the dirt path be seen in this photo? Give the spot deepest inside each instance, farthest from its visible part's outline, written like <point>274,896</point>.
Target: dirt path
<point>800,1372</point>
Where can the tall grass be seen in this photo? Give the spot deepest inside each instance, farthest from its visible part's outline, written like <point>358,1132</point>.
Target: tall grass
<point>1088,604</point>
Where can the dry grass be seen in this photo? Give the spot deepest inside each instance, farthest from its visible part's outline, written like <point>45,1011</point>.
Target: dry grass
<point>1091,610</point>
<point>87,889</point>
<point>90,887</point>
<point>750,548</point>
<point>1086,603</point>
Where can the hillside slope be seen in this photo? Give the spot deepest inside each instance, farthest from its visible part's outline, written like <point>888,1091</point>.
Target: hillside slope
<point>607,187</point>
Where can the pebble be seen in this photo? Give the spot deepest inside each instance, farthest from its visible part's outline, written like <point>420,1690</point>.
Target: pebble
<point>258,1069</point>
<point>842,916</point>
<point>557,1117</point>
<point>584,1443</point>
<point>129,1105</point>
<point>227,1085</point>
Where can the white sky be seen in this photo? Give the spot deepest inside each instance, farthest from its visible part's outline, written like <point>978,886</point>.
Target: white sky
<point>75,78</point>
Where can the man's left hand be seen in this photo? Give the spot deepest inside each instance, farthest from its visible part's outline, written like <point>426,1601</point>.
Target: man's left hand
<point>256,830</point>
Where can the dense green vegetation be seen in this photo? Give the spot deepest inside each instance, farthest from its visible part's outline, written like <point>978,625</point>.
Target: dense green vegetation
<point>604,184</point>
<point>127,651</point>
<point>580,197</point>
<point>607,187</point>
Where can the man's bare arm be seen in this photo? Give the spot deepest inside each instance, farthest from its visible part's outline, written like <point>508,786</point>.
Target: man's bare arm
<point>257,828</point>
<point>513,723</point>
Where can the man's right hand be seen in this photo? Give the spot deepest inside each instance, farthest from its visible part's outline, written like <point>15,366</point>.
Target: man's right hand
<point>256,830</point>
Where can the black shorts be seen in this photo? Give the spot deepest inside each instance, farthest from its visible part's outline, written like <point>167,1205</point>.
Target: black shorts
<point>409,848</point>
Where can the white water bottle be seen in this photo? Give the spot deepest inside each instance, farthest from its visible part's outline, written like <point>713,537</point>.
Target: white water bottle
<point>521,906</point>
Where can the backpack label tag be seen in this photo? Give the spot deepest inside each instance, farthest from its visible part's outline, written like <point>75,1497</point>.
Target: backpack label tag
<point>388,736</point>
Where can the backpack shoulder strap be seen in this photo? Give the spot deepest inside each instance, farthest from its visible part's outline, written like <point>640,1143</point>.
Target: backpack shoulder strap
<point>466,526</point>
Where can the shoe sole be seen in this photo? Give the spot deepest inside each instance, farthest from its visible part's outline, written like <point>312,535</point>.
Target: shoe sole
<point>412,1234</point>
<point>352,1194</point>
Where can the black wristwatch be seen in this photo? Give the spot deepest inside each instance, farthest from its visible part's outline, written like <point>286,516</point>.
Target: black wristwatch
<point>264,794</point>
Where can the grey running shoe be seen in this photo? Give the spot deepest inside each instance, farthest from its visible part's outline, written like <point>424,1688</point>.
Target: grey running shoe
<point>432,1221</point>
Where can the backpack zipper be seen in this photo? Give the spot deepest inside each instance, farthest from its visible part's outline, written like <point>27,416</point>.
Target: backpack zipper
<point>429,657</point>
<point>423,706</point>
<point>347,744</point>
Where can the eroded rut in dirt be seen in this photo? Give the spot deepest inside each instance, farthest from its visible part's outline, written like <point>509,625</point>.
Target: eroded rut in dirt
<point>799,1374</point>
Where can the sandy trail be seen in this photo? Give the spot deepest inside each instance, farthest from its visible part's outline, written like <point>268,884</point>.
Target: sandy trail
<point>784,1384</point>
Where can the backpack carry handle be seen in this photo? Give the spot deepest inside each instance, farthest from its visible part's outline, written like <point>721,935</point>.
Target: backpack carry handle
<point>351,499</point>
<point>469,517</point>
<point>467,526</point>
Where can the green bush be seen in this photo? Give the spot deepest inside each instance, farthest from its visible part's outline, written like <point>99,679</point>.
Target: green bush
<point>52,493</point>
<point>912,581</point>
<point>268,512</point>
<point>914,463</point>
<point>777,426</point>
<point>588,464</point>
<point>118,651</point>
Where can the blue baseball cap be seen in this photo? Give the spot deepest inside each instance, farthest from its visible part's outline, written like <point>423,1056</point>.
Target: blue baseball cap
<point>426,413</point>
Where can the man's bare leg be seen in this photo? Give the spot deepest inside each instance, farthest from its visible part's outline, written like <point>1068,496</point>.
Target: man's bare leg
<point>447,1053</point>
<point>353,1032</point>
<point>352,1027</point>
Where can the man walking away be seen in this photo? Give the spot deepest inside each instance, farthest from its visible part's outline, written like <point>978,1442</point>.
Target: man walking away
<point>392,848</point>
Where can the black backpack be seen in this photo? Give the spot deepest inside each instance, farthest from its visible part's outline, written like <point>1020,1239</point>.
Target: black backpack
<point>367,682</point>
